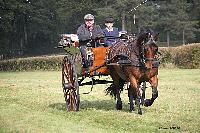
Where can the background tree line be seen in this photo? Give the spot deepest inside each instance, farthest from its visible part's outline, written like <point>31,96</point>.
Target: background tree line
<point>30,27</point>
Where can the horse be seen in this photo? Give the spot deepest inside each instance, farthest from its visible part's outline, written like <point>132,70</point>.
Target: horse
<point>134,61</point>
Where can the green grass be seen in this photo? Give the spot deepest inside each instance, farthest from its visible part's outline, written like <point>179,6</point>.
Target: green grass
<point>34,102</point>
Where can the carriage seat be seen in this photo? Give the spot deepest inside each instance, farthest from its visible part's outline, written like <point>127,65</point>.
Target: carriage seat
<point>69,39</point>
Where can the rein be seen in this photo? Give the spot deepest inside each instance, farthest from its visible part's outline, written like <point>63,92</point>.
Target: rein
<point>150,59</point>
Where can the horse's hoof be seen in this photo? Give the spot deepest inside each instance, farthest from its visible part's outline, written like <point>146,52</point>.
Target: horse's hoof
<point>119,105</point>
<point>132,109</point>
<point>140,112</point>
<point>131,106</point>
<point>142,102</point>
<point>147,102</point>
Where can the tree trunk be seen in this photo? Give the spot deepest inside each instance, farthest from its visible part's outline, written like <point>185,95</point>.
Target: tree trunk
<point>25,35</point>
<point>106,3</point>
<point>123,21</point>
<point>20,51</point>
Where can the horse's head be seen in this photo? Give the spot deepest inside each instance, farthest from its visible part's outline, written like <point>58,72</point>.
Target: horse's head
<point>148,48</point>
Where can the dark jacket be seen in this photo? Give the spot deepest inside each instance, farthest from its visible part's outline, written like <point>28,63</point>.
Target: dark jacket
<point>85,36</point>
<point>114,33</point>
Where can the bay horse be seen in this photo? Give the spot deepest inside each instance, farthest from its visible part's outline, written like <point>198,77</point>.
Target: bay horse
<point>134,61</point>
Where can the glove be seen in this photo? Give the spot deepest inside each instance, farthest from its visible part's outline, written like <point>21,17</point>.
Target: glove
<point>101,35</point>
<point>98,36</point>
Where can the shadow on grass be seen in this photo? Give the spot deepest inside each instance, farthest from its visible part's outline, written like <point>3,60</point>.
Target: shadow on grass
<point>107,105</point>
<point>98,105</point>
<point>58,106</point>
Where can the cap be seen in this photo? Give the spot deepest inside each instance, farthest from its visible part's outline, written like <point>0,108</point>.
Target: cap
<point>88,16</point>
<point>109,20</point>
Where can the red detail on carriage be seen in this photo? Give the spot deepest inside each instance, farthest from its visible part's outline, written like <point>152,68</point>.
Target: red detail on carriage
<point>99,59</point>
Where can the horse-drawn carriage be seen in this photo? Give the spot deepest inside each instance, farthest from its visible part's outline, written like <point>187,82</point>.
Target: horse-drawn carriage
<point>119,59</point>
<point>73,72</point>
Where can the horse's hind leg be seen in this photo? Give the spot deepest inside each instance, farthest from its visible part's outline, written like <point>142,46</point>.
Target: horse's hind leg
<point>154,84</point>
<point>119,101</point>
<point>132,96</point>
<point>118,86</point>
<point>135,87</point>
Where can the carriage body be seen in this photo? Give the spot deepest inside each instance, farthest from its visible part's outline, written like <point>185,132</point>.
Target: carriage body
<point>95,56</point>
<point>73,72</point>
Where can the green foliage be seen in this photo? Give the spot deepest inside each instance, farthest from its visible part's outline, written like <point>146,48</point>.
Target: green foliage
<point>188,57</point>
<point>183,56</point>
<point>166,56</point>
<point>33,26</point>
<point>32,63</point>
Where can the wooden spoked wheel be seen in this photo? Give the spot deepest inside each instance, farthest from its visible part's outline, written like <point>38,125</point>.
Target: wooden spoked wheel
<point>70,84</point>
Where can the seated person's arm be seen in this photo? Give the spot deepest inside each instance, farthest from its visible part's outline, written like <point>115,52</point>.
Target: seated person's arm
<point>81,35</point>
<point>98,33</point>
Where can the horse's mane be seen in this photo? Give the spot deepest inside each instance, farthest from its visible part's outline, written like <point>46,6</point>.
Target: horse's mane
<point>136,44</point>
<point>132,44</point>
<point>143,35</point>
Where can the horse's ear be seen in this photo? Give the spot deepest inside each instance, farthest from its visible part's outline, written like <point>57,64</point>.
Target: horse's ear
<point>156,37</point>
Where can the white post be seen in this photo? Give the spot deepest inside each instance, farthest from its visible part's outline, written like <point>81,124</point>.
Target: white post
<point>183,36</point>
<point>168,38</point>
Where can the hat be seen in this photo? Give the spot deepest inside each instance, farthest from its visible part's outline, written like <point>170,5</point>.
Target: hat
<point>88,16</point>
<point>109,20</point>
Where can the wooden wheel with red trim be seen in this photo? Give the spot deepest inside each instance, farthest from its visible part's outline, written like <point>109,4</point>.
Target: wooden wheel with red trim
<point>70,84</point>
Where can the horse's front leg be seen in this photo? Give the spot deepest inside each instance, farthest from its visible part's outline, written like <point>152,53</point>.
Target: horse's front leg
<point>135,87</point>
<point>143,88</point>
<point>154,84</point>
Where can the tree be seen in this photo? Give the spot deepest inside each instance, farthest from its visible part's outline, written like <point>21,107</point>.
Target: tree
<point>33,26</point>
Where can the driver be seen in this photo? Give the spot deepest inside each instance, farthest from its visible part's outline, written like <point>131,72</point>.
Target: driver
<point>87,35</point>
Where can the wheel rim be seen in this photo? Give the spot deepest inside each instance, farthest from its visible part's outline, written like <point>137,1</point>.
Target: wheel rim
<point>70,85</point>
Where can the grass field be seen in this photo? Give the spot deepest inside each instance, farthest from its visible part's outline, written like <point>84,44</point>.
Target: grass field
<point>34,102</point>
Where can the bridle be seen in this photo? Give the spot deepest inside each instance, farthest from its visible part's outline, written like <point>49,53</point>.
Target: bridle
<point>149,41</point>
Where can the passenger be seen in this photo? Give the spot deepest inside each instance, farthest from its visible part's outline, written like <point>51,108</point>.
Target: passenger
<point>87,35</point>
<point>111,33</point>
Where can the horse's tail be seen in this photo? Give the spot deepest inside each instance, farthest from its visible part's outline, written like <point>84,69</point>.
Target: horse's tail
<point>112,91</point>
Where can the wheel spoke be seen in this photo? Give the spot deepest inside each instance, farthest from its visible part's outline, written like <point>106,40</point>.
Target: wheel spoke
<point>69,76</point>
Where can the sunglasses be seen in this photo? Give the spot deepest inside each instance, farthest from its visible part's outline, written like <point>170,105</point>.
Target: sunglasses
<point>109,22</point>
<point>89,19</point>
